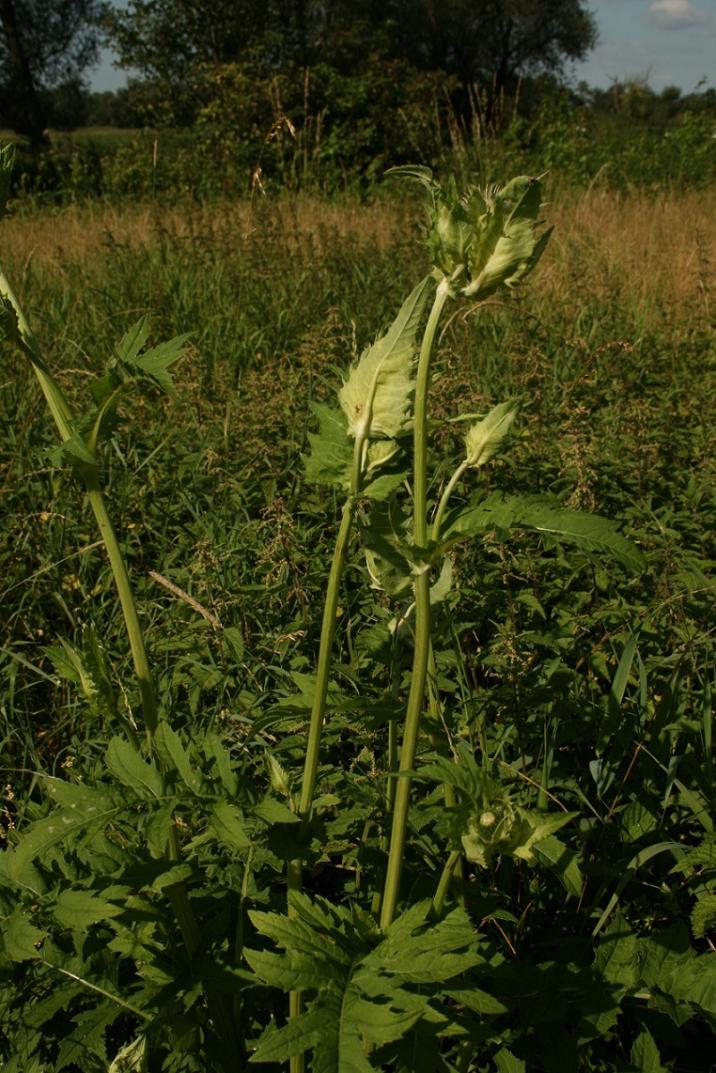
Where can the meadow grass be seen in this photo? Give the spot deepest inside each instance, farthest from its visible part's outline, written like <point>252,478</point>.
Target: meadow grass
<point>610,351</point>
<point>278,294</point>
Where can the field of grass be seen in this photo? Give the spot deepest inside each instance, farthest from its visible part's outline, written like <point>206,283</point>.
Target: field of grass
<point>568,670</point>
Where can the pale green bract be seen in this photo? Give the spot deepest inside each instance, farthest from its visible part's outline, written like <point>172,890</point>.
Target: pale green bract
<point>506,246</point>
<point>376,396</point>
<point>482,240</point>
<point>484,437</point>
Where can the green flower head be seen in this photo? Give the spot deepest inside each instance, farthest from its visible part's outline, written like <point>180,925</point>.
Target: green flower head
<point>482,240</point>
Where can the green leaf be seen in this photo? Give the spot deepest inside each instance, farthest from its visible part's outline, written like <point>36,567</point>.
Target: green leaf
<point>376,396</point>
<point>703,916</point>
<point>484,438</point>
<point>126,764</point>
<point>171,751</point>
<point>156,362</point>
<point>20,938</point>
<point>78,909</point>
<point>506,1062</point>
<point>590,532</point>
<point>60,826</point>
<point>478,1001</point>
<point>131,1058</point>
<point>553,854</point>
<point>87,1039</point>
<point>228,825</point>
<point>366,984</point>
<point>278,1045</point>
<point>645,1053</point>
<point>330,458</point>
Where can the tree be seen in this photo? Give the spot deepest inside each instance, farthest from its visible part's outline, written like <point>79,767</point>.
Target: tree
<point>43,44</point>
<point>489,42</point>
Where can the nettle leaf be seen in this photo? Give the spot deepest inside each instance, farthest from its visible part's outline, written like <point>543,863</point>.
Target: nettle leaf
<point>20,938</point>
<point>127,765</point>
<point>484,438</point>
<point>370,989</point>
<point>227,823</point>
<point>591,532</point>
<point>703,916</point>
<point>153,362</point>
<point>376,396</point>
<point>172,752</point>
<point>77,909</point>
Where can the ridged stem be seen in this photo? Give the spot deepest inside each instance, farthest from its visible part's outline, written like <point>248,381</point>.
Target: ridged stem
<point>421,651</point>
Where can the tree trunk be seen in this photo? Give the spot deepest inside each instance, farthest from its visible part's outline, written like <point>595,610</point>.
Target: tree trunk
<point>24,110</point>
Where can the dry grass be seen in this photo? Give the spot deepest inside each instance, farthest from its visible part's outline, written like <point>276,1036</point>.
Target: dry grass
<point>654,252</point>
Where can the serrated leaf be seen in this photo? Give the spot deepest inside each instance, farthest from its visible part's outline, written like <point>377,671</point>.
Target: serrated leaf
<point>132,342</point>
<point>330,458</point>
<point>43,835</point>
<point>156,362</point>
<point>20,938</point>
<point>126,764</point>
<point>228,825</point>
<point>376,396</point>
<point>87,1039</point>
<point>77,909</point>
<point>278,1045</point>
<point>590,532</point>
<point>703,916</point>
<point>173,754</point>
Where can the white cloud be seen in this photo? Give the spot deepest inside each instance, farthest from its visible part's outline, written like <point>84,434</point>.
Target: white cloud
<point>678,15</point>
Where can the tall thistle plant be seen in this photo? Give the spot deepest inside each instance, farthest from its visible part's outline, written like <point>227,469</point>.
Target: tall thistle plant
<point>480,242</point>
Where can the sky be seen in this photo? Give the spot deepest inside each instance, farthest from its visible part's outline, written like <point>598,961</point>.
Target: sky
<point>666,42</point>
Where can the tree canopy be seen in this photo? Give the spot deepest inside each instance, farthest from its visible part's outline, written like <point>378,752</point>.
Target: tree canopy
<point>475,40</point>
<point>43,43</point>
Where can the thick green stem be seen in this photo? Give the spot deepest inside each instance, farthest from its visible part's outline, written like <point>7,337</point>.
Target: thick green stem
<point>323,670</point>
<point>416,696</point>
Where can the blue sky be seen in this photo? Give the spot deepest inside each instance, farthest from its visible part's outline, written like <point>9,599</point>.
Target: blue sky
<point>668,42</point>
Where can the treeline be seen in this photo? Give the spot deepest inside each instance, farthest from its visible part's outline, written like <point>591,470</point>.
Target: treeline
<point>235,94</point>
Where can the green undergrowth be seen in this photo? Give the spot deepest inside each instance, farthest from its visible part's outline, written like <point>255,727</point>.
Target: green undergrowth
<point>570,683</point>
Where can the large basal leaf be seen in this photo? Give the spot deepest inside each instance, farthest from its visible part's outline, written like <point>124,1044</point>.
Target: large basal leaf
<point>376,396</point>
<point>369,989</point>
